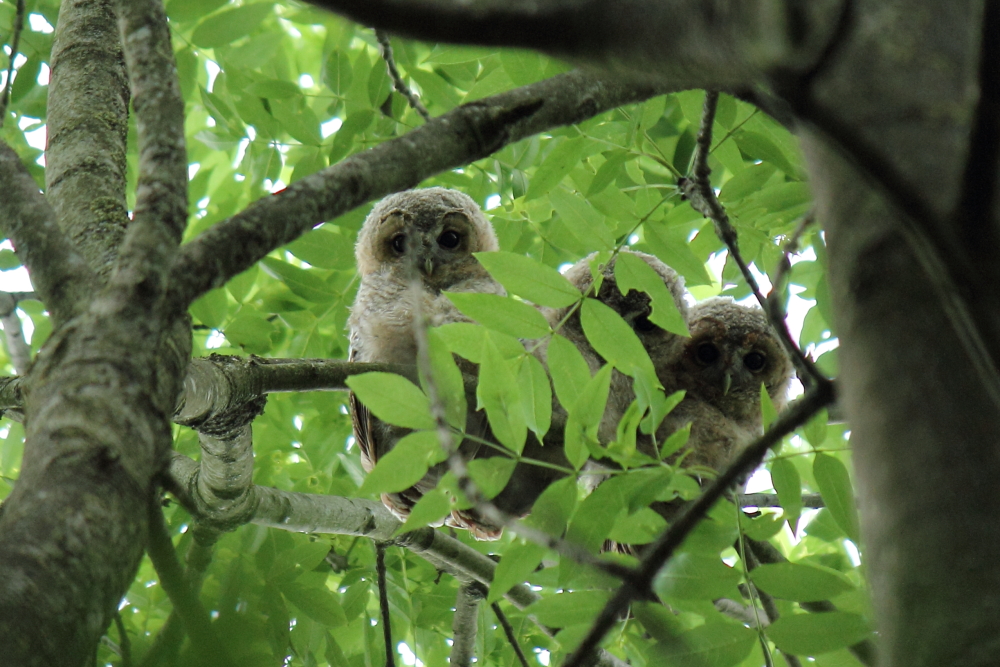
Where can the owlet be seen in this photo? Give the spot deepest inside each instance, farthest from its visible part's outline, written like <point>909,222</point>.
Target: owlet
<point>428,235</point>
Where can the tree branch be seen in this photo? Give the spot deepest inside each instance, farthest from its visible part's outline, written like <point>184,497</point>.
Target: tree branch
<point>508,630</point>
<point>178,588</point>
<point>15,41</point>
<point>161,191</point>
<point>464,623</point>
<point>662,549</point>
<point>385,47</point>
<point>59,274</point>
<point>699,192</point>
<point>85,163</point>
<point>17,347</point>
<point>727,42</point>
<point>383,604</point>
<point>465,134</point>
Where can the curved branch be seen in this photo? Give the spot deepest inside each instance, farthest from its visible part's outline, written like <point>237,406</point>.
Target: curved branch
<point>465,622</point>
<point>59,274</point>
<point>729,42</point>
<point>161,191</point>
<point>465,134</point>
<point>663,548</point>
<point>85,164</point>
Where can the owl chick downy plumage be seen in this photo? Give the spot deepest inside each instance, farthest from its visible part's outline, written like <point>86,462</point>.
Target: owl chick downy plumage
<point>429,234</point>
<point>732,351</point>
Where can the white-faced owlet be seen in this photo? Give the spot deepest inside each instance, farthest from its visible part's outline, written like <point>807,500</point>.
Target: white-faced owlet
<point>430,235</point>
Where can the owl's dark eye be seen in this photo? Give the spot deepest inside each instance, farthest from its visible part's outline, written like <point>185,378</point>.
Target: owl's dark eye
<point>707,353</point>
<point>399,243</point>
<point>449,239</point>
<point>643,325</point>
<point>754,361</point>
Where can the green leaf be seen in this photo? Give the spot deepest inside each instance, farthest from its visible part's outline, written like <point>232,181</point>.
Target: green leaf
<point>466,340</point>
<point>575,438</point>
<point>786,481</point>
<point>835,486</point>
<point>556,166</point>
<point>301,282</point>
<point>251,332</point>
<point>498,394</point>
<point>571,608</point>
<point>189,10</point>
<point>570,372</point>
<point>554,507</point>
<point>809,634</point>
<point>582,220</point>
<point>801,582</point>
<point>448,380</point>
<point>714,644</point>
<point>640,528</point>
<point>291,563</point>
<point>529,279</point>
<point>614,340</point>
<point>324,249</point>
<point>589,407</point>
<point>274,89</point>
<point>815,428</point>
<point>502,314</point>
<point>675,441</point>
<point>230,24</point>
<point>632,272</point>
<point>405,464</point>
<point>689,576</point>
<point>393,399</point>
<point>9,260</point>
<point>212,308</point>
<point>767,410</point>
<point>491,475</point>
<point>435,504</point>
<point>671,246</point>
<point>763,527</point>
<point>518,561</point>
<point>536,395</point>
<point>319,604</point>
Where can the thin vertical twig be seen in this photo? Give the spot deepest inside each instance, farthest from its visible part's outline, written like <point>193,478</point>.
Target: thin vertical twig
<point>508,630</point>
<point>383,604</point>
<point>15,43</point>
<point>385,47</point>
<point>698,190</point>
<point>124,643</point>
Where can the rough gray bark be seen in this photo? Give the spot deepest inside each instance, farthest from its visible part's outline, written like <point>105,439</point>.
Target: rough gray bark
<point>87,123</point>
<point>458,137</point>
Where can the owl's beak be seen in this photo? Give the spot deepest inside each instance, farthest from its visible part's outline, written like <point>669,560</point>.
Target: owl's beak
<point>429,266</point>
<point>727,383</point>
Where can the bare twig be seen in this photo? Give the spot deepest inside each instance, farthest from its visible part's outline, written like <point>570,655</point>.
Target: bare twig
<point>663,548</point>
<point>813,500</point>
<point>698,190</point>
<point>15,40</point>
<point>489,125</point>
<point>385,47</point>
<point>464,623</point>
<point>508,630</point>
<point>383,604</point>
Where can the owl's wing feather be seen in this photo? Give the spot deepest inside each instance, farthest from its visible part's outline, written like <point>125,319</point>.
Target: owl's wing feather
<point>361,422</point>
